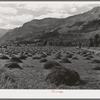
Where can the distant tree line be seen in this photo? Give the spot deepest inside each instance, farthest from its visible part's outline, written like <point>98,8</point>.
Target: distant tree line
<point>56,43</point>
<point>94,41</point>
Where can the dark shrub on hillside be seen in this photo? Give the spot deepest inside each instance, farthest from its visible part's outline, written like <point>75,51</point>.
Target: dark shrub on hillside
<point>3,57</point>
<point>59,76</point>
<point>51,64</point>
<point>12,65</point>
<point>15,59</point>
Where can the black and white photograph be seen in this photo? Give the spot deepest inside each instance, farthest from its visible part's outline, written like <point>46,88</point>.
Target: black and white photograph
<point>50,45</point>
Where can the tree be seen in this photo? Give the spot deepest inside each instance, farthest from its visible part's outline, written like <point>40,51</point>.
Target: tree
<point>44,43</point>
<point>79,45</point>
<point>96,40</point>
<point>50,43</point>
<point>91,44</point>
<point>61,43</point>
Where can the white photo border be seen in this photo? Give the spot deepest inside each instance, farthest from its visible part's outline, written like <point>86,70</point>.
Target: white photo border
<point>50,93</point>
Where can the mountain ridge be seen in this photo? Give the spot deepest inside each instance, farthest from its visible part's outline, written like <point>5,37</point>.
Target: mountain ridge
<point>74,28</point>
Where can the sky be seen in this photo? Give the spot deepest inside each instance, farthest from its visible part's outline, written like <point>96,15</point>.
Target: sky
<point>15,14</point>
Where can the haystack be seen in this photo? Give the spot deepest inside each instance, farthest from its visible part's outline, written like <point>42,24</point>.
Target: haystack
<point>12,65</point>
<point>58,56</point>
<point>87,58</point>
<point>85,55</point>
<point>96,67</point>
<point>65,60</point>
<point>59,76</point>
<point>4,57</point>
<point>78,52</point>
<point>90,56</point>
<point>29,55</point>
<point>51,64</point>
<point>36,57</point>
<point>43,55</point>
<point>69,55</point>
<point>23,57</point>
<point>15,59</point>
<point>74,58</point>
<point>96,61</point>
<point>43,60</point>
<point>83,52</point>
<point>48,53</point>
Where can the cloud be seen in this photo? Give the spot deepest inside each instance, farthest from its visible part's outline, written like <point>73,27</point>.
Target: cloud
<point>73,9</point>
<point>9,26</point>
<point>33,6</point>
<point>2,21</point>
<point>12,21</point>
<point>49,6</point>
<point>19,18</point>
<point>53,15</point>
<point>17,13</point>
<point>52,6</point>
<point>8,10</point>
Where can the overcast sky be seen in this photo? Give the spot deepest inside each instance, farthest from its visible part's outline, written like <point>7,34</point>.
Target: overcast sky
<point>14,14</point>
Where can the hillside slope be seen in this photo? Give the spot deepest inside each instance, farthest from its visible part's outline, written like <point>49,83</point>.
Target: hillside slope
<point>75,28</point>
<point>3,31</point>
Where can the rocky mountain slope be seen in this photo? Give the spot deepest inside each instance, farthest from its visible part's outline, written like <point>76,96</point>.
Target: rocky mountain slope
<point>74,28</point>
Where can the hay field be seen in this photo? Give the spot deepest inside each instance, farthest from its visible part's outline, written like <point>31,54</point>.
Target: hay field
<point>48,68</point>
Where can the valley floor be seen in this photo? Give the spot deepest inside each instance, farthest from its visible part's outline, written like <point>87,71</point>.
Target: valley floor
<point>32,75</point>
